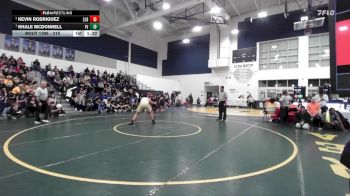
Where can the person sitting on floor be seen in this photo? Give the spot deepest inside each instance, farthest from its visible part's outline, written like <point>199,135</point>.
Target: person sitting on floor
<point>101,106</point>
<point>14,112</point>
<point>109,106</point>
<point>303,119</point>
<point>313,108</point>
<point>332,120</point>
<point>31,107</point>
<point>56,110</point>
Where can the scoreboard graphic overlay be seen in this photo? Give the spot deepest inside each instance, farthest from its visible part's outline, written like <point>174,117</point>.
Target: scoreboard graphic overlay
<point>55,23</point>
<point>339,32</point>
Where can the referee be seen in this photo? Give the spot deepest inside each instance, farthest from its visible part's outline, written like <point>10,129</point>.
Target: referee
<point>222,104</point>
<point>42,95</point>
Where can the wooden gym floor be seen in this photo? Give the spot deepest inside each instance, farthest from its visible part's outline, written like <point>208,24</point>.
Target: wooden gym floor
<point>185,153</point>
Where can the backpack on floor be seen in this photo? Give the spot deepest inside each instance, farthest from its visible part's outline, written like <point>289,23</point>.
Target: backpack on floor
<point>344,120</point>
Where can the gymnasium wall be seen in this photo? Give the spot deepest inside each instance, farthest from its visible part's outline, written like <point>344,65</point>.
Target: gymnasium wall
<point>161,84</point>
<point>83,60</point>
<point>143,56</point>
<point>183,59</point>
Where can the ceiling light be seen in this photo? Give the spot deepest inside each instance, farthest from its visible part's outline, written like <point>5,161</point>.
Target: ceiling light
<point>215,10</point>
<point>235,31</point>
<point>186,41</point>
<point>304,18</point>
<point>343,28</point>
<point>107,0</point>
<point>166,6</point>
<point>310,85</point>
<point>157,25</point>
<point>274,47</point>
<point>262,14</point>
<point>197,29</point>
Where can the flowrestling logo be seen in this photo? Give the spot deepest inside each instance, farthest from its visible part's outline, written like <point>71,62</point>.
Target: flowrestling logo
<point>325,12</point>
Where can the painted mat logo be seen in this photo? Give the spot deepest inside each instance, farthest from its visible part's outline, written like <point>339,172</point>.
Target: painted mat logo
<point>325,12</point>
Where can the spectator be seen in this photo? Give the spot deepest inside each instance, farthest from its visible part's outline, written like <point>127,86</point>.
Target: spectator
<point>332,120</point>
<point>313,108</point>
<point>41,94</point>
<point>250,101</point>
<point>57,111</point>
<point>101,106</point>
<point>270,108</point>
<point>323,99</point>
<point>81,101</point>
<point>190,99</point>
<point>17,89</point>
<point>303,119</point>
<point>51,74</point>
<point>36,65</point>
<point>285,103</point>
<point>14,112</point>
<point>48,67</point>
<point>8,82</point>
<point>31,107</point>
<point>198,102</point>
<point>2,99</point>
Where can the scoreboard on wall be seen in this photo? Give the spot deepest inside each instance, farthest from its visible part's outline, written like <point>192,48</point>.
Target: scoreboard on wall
<point>55,23</point>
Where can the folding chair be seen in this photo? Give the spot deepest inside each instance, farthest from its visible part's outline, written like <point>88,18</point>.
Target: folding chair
<point>270,112</point>
<point>292,114</point>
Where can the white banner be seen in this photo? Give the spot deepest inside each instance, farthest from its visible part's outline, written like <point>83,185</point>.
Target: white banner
<point>243,72</point>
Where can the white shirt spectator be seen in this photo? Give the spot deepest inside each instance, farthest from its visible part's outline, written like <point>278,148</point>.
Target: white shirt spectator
<point>323,99</point>
<point>51,74</point>
<point>41,94</point>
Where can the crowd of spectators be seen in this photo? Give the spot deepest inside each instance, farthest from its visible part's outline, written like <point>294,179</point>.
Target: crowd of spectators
<point>92,90</point>
<point>315,114</point>
<point>17,90</point>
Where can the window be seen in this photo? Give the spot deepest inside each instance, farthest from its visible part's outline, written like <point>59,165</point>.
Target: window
<point>262,83</point>
<point>282,83</point>
<point>292,83</point>
<point>314,85</point>
<point>274,88</point>
<point>271,83</point>
<point>278,54</point>
<point>319,50</point>
<point>314,82</point>
<point>324,82</point>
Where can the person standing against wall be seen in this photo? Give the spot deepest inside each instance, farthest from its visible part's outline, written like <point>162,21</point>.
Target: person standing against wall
<point>250,101</point>
<point>222,104</point>
<point>190,99</point>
